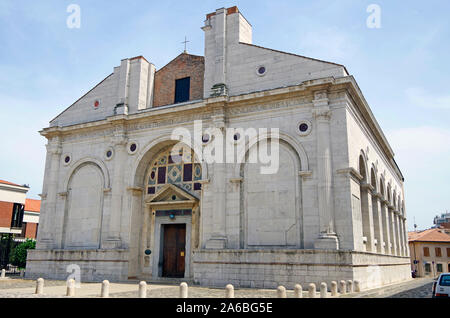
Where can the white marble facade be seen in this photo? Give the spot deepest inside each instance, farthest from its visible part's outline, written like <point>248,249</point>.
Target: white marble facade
<point>334,210</point>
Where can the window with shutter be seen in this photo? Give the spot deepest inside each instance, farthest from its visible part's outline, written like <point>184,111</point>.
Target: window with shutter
<point>438,251</point>
<point>426,251</point>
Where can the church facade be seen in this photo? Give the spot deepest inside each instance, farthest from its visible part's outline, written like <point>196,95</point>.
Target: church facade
<point>123,200</point>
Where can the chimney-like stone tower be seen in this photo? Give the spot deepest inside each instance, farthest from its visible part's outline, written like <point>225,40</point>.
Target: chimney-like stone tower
<point>224,29</point>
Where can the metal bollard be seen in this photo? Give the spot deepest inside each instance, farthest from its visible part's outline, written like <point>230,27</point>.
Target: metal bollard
<point>3,275</point>
<point>105,289</point>
<point>142,289</point>
<point>312,290</point>
<point>183,290</point>
<point>323,290</point>
<point>298,291</point>
<point>39,286</point>
<point>229,291</point>
<point>281,292</point>
<point>70,288</point>
<point>334,290</point>
<point>342,287</point>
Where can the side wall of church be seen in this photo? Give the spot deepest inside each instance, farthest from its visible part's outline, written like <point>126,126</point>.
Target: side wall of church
<point>362,144</point>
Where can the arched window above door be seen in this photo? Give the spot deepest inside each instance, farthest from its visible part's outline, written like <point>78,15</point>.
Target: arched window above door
<point>182,170</point>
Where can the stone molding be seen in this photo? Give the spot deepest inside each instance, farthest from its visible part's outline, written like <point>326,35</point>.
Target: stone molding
<point>351,172</point>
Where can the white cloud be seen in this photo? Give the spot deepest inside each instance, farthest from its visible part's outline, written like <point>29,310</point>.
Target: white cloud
<point>420,141</point>
<point>420,97</point>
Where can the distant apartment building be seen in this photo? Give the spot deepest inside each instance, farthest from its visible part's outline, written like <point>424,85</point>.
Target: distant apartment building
<point>19,216</point>
<point>430,252</point>
<point>30,221</point>
<point>442,221</point>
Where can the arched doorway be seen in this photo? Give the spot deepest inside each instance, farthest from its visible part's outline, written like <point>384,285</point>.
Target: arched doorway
<point>169,213</point>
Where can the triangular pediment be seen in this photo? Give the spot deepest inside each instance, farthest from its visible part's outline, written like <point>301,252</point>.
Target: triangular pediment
<point>171,194</point>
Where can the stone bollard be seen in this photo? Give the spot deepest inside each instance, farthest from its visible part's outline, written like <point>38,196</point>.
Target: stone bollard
<point>350,286</point>
<point>105,289</point>
<point>312,290</point>
<point>334,291</point>
<point>183,290</point>
<point>70,288</point>
<point>357,286</point>
<point>229,291</point>
<point>342,287</point>
<point>39,286</point>
<point>3,273</point>
<point>323,290</point>
<point>281,292</point>
<point>298,291</point>
<point>142,289</point>
<point>22,273</point>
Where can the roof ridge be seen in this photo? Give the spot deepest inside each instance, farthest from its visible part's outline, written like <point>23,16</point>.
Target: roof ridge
<point>182,53</point>
<point>293,54</point>
<point>83,96</point>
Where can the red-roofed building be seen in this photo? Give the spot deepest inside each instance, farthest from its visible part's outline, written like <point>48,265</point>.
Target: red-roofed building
<point>19,217</point>
<point>430,252</point>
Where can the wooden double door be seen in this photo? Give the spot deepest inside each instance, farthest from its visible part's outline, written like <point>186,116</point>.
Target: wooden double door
<point>174,252</point>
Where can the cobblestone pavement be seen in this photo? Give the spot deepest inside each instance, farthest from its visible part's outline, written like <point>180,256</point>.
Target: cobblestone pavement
<point>424,291</point>
<point>24,288</point>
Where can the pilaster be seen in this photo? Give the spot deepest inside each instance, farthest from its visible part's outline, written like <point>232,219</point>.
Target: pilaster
<point>119,141</point>
<point>47,215</point>
<point>327,237</point>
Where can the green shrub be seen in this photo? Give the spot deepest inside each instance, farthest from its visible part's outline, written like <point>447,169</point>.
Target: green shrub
<point>18,255</point>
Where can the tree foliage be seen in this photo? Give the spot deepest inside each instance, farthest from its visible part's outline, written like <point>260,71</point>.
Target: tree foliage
<point>18,255</point>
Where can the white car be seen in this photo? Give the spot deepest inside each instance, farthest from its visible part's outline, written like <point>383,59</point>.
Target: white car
<point>441,287</point>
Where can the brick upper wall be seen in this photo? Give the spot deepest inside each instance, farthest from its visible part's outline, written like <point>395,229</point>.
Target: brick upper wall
<point>31,230</point>
<point>6,209</point>
<point>184,65</point>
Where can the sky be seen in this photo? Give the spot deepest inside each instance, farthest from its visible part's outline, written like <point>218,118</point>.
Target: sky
<point>402,68</point>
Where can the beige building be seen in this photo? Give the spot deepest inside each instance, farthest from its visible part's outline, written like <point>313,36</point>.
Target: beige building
<point>116,203</point>
<point>430,252</point>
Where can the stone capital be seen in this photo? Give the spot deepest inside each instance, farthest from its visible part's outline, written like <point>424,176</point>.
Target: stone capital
<point>351,172</point>
<point>377,195</point>
<point>136,191</point>
<point>236,180</point>
<point>54,148</point>
<point>322,113</point>
<point>119,140</point>
<point>305,174</point>
<point>367,186</point>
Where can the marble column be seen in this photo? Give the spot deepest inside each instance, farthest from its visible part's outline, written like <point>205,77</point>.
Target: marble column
<point>378,222</point>
<point>118,189</point>
<point>367,216</point>
<point>386,227</point>
<point>327,237</point>
<point>50,196</point>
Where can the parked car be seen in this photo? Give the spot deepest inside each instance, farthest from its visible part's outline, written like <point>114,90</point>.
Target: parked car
<point>441,287</point>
